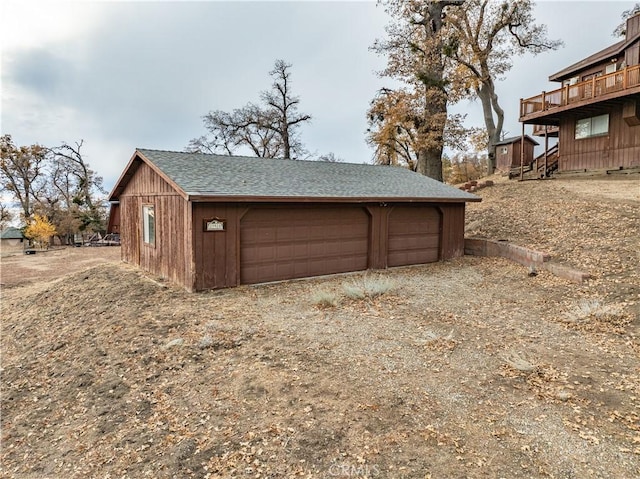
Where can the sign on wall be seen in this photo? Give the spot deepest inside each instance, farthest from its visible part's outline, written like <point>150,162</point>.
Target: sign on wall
<point>215,224</point>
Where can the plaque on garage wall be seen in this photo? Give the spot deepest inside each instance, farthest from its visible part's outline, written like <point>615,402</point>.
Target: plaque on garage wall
<point>215,224</point>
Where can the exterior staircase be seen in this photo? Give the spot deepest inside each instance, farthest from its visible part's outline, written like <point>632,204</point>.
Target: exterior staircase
<point>536,169</point>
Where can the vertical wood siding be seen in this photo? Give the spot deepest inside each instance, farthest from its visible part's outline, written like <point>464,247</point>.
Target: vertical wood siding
<point>452,242</point>
<point>169,256</point>
<point>216,254</point>
<point>620,148</point>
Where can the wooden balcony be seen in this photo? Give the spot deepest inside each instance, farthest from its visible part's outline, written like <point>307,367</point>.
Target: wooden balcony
<point>613,85</point>
<point>552,130</point>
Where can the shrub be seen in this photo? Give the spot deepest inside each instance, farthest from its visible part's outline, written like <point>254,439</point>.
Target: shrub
<point>324,299</point>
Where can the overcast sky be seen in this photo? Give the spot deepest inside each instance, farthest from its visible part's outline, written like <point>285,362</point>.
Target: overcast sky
<point>121,75</point>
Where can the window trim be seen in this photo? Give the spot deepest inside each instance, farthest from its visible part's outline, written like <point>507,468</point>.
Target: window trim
<point>149,227</point>
<point>589,133</point>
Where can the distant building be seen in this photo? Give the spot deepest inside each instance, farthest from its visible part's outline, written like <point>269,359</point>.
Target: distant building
<point>508,152</point>
<point>11,241</point>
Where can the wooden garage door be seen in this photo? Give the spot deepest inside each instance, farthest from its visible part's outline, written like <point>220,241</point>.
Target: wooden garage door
<point>289,243</point>
<point>414,235</point>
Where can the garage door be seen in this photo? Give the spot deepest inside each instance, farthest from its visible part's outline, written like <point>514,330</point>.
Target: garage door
<point>286,243</point>
<point>414,235</point>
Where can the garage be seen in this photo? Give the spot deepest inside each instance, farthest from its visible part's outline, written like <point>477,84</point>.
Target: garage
<point>282,243</point>
<point>208,221</point>
<point>414,235</point>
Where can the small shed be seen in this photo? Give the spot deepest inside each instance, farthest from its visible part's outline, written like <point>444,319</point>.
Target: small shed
<point>207,221</point>
<point>11,241</point>
<point>508,152</point>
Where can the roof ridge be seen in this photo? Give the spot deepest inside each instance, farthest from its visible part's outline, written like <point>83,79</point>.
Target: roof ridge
<point>213,155</point>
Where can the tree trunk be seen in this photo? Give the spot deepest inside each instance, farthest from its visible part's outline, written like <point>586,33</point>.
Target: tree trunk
<point>490,106</point>
<point>430,163</point>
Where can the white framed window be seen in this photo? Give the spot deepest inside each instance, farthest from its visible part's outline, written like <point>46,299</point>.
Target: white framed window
<point>594,126</point>
<point>503,150</point>
<point>148,224</point>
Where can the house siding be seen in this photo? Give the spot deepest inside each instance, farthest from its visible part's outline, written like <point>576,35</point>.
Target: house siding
<point>620,148</point>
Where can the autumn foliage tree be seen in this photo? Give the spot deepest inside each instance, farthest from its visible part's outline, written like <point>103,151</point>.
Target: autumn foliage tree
<point>40,230</point>
<point>415,57</point>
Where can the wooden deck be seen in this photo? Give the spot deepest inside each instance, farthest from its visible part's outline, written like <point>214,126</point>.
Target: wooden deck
<point>625,81</point>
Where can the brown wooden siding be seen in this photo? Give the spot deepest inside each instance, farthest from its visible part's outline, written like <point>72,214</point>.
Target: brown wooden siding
<point>216,254</point>
<point>505,161</point>
<point>168,257</point>
<point>452,231</point>
<point>147,181</point>
<point>633,26</point>
<point>114,219</point>
<point>620,148</point>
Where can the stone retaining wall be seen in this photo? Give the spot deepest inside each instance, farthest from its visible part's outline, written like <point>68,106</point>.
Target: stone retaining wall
<point>524,256</point>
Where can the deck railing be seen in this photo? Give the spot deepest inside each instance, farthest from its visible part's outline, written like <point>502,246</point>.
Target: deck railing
<point>598,86</point>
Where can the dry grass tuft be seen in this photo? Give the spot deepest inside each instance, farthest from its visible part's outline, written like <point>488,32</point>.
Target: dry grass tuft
<point>325,299</point>
<point>593,309</point>
<point>519,363</point>
<point>369,287</point>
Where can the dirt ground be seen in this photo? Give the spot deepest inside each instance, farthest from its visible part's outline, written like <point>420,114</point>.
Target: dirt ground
<point>467,368</point>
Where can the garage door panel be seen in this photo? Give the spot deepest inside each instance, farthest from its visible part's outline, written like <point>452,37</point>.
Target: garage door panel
<point>298,242</point>
<point>414,236</point>
<point>413,242</point>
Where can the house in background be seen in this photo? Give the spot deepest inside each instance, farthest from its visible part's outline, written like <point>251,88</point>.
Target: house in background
<point>12,241</point>
<point>509,151</point>
<point>595,113</point>
<point>208,221</point>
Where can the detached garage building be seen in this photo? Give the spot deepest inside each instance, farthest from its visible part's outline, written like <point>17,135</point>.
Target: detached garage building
<point>208,221</point>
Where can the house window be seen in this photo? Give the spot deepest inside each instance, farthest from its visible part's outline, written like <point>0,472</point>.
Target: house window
<point>503,150</point>
<point>149,224</point>
<point>594,126</point>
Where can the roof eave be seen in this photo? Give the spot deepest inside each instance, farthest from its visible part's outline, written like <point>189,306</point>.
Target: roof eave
<point>611,50</point>
<point>196,197</point>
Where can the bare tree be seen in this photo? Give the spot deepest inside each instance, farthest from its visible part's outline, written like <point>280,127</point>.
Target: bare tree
<point>621,29</point>
<point>5,216</point>
<point>283,117</point>
<point>79,187</point>
<point>266,130</point>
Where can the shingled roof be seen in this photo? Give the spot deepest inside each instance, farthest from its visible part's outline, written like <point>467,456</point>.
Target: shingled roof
<point>11,233</point>
<point>237,178</point>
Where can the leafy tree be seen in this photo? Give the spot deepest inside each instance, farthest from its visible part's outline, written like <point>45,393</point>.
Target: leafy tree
<point>417,112</point>
<point>40,230</point>
<point>393,132</point>
<point>482,36</point>
<point>22,172</point>
<point>267,130</point>
<point>621,30</point>
<point>467,166</point>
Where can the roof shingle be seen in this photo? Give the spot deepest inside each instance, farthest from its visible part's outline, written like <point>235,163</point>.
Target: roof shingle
<point>205,175</point>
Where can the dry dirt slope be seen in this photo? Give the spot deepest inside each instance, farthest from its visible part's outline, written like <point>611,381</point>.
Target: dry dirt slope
<point>468,368</point>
